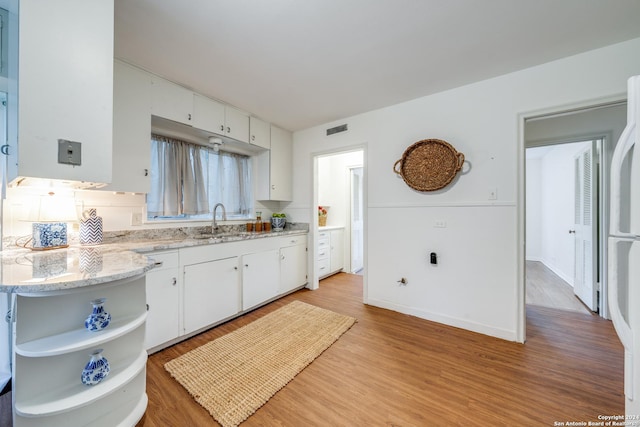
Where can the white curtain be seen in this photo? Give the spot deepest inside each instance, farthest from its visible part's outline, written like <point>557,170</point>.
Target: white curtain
<point>178,182</point>
<point>229,178</point>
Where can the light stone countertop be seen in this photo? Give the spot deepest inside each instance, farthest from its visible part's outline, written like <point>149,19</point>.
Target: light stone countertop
<point>121,256</point>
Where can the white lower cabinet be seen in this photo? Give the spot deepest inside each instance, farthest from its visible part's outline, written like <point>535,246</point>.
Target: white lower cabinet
<point>52,347</point>
<point>211,293</point>
<point>330,252</point>
<point>163,294</point>
<point>260,277</point>
<point>198,287</point>
<point>293,263</point>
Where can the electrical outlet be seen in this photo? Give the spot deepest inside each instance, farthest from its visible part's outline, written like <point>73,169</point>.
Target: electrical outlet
<point>136,218</point>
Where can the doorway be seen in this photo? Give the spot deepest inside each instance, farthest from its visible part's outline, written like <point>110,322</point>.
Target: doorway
<point>587,122</point>
<point>563,257</point>
<point>339,190</point>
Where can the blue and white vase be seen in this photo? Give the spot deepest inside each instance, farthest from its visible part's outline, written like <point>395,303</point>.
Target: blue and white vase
<point>96,369</point>
<point>278,223</point>
<point>99,318</point>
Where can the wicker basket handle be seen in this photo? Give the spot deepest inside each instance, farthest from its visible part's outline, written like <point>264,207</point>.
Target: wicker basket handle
<point>395,167</point>
<point>460,161</point>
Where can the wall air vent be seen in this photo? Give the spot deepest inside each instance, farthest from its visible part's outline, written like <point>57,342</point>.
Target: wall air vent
<point>336,129</point>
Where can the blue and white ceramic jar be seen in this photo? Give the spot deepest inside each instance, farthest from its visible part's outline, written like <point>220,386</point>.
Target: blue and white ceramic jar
<point>278,223</point>
<point>96,369</point>
<point>99,318</point>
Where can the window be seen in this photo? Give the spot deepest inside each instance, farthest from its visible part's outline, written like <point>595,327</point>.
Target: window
<point>187,180</point>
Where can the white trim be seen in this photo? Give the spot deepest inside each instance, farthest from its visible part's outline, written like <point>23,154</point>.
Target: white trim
<point>443,205</point>
<point>521,194</point>
<point>446,320</point>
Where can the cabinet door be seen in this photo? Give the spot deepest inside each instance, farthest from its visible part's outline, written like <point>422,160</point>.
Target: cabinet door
<point>337,250</point>
<point>280,164</point>
<point>163,316</point>
<point>293,267</point>
<point>211,293</point>
<point>260,133</point>
<point>64,89</point>
<point>171,101</point>
<point>131,129</point>
<point>260,277</point>
<point>208,114</point>
<point>236,124</point>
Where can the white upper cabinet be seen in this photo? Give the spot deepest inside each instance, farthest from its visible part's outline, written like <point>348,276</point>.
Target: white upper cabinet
<point>64,89</point>
<point>281,164</point>
<point>208,114</point>
<point>236,124</point>
<point>260,133</point>
<point>131,129</point>
<point>171,101</point>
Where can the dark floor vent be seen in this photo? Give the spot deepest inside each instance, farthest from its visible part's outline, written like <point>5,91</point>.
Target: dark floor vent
<point>336,129</point>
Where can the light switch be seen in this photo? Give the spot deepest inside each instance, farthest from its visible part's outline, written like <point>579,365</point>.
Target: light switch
<point>492,193</point>
<point>69,152</point>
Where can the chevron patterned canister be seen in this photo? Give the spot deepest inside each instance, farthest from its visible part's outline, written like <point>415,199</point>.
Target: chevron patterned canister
<point>90,228</point>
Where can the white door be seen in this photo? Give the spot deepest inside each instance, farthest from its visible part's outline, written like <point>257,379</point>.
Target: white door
<point>586,198</point>
<point>357,243</point>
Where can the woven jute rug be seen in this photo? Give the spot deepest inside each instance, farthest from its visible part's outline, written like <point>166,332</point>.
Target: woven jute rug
<point>234,375</point>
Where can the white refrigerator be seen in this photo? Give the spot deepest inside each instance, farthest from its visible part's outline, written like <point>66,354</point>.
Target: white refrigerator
<point>624,246</point>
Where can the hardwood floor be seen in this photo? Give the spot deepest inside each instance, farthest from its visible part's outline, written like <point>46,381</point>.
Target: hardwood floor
<point>391,369</point>
<point>547,289</point>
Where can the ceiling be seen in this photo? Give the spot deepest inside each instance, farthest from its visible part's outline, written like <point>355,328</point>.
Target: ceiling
<point>301,63</point>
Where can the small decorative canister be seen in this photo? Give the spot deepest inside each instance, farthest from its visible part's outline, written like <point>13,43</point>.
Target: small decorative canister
<point>90,228</point>
<point>99,318</point>
<point>96,369</point>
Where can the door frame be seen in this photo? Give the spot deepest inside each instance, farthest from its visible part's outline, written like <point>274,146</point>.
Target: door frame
<point>351,205</point>
<point>314,282</point>
<point>521,320</point>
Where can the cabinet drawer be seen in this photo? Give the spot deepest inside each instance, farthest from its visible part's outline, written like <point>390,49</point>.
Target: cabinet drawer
<point>323,243</point>
<point>164,260</point>
<point>293,241</point>
<point>323,267</point>
<point>323,235</point>
<point>323,253</point>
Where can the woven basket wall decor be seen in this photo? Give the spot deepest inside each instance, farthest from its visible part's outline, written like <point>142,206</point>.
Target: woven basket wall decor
<point>429,165</point>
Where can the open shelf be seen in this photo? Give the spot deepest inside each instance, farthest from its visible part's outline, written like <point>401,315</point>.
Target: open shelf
<point>79,339</point>
<point>77,395</point>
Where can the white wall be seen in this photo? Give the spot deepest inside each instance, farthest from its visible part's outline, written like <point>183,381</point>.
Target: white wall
<point>477,284</point>
<point>333,185</point>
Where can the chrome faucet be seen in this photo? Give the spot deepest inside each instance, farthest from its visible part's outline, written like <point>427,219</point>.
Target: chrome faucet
<point>214,224</point>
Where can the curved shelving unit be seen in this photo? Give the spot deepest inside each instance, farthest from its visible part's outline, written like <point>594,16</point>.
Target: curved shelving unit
<point>79,395</point>
<point>79,339</point>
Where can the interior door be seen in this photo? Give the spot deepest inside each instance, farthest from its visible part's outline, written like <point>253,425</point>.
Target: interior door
<point>586,198</point>
<point>357,236</point>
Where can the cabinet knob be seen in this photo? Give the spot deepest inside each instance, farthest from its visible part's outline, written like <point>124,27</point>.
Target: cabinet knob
<point>146,172</point>
<point>189,116</point>
<point>282,256</point>
<point>235,268</point>
<point>147,307</point>
<point>222,128</point>
<point>228,129</point>
<point>273,186</point>
<point>174,281</point>
<point>253,137</point>
<point>246,265</point>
